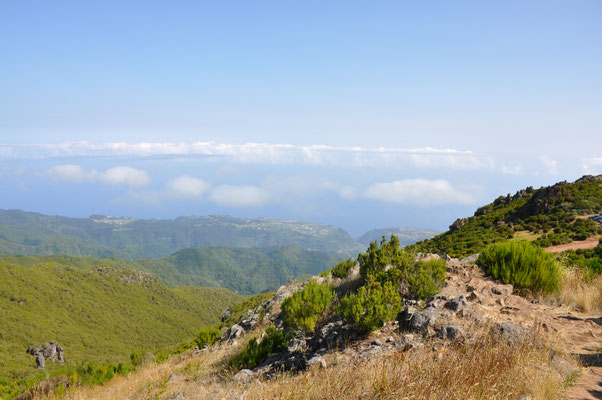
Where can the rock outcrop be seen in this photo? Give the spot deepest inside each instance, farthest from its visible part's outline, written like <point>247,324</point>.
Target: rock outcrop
<point>48,351</point>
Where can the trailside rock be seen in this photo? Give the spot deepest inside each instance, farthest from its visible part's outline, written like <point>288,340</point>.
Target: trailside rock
<point>450,332</point>
<point>457,304</point>
<point>418,321</point>
<point>512,333</point>
<point>244,376</point>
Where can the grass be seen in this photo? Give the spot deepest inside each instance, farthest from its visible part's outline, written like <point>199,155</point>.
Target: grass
<point>578,291</point>
<point>526,235</point>
<point>98,315</point>
<point>485,370</point>
<point>521,264</point>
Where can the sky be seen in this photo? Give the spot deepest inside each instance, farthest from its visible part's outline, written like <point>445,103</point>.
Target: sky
<point>360,114</point>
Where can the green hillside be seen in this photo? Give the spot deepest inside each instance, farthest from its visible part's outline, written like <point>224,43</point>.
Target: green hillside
<point>549,216</point>
<point>100,236</point>
<point>406,236</point>
<point>243,270</point>
<point>98,315</point>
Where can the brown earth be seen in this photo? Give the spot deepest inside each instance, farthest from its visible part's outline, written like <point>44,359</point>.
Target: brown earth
<point>588,243</point>
<point>574,332</point>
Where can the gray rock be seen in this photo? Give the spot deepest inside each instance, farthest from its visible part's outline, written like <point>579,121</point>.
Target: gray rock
<point>450,332</point>
<point>235,332</point>
<point>297,344</point>
<point>418,321</point>
<point>244,376</point>
<point>512,333</point>
<point>317,360</point>
<point>405,342</point>
<point>503,290</point>
<point>563,366</point>
<point>227,314</point>
<point>457,304</point>
<point>377,342</point>
<point>470,259</point>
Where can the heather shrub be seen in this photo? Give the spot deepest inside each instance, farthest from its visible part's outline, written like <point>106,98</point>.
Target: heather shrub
<point>521,264</point>
<point>254,353</point>
<point>207,336</point>
<point>388,263</point>
<point>306,306</point>
<point>372,306</point>
<point>342,269</point>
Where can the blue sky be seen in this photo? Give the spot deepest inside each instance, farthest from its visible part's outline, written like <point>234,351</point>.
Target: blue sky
<point>358,114</point>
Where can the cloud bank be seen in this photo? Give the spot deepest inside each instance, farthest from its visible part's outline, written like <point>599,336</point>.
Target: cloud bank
<point>267,153</point>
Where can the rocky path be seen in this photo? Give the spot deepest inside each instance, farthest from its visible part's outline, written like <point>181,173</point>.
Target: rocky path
<point>588,243</point>
<point>570,331</point>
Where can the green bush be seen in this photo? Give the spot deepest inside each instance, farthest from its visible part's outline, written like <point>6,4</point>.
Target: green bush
<point>521,264</point>
<point>388,263</point>
<point>254,354</point>
<point>426,278</point>
<point>372,306</point>
<point>207,336</point>
<point>342,269</point>
<point>306,306</point>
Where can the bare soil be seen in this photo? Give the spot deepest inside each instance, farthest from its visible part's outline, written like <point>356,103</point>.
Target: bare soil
<point>588,243</point>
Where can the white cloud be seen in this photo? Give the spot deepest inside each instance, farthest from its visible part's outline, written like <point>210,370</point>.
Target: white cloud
<point>269,153</point>
<point>420,192</point>
<point>240,196</point>
<point>69,172</point>
<point>592,165</point>
<point>187,186</point>
<point>550,164</point>
<point>125,176</point>
<point>516,169</point>
<point>115,176</point>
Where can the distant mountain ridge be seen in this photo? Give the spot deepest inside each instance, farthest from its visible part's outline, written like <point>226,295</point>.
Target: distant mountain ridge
<point>242,270</point>
<point>100,236</point>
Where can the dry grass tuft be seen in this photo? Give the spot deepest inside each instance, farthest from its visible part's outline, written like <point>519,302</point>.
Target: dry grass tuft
<point>578,292</point>
<point>487,369</point>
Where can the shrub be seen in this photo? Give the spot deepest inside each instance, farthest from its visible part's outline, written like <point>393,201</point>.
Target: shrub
<point>254,354</point>
<point>207,336</point>
<point>305,307</point>
<point>521,264</point>
<point>426,278</point>
<point>372,306</point>
<point>342,269</point>
<point>388,263</point>
<point>374,262</point>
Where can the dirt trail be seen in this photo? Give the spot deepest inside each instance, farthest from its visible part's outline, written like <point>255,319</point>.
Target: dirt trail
<point>570,331</point>
<point>588,243</point>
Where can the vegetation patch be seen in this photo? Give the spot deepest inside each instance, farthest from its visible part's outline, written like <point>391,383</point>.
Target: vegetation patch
<point>255,353</point>
<point>342,269</point>
<point>548,215</point>
<point>305,307</point>
<point>207,336</point>
<point>372,306</point>
<point>388,263</point>
<point>521,264</point>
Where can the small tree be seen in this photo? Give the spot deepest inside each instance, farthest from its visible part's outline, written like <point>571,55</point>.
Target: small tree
<point>372,306</point>
<point>305,307</point>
